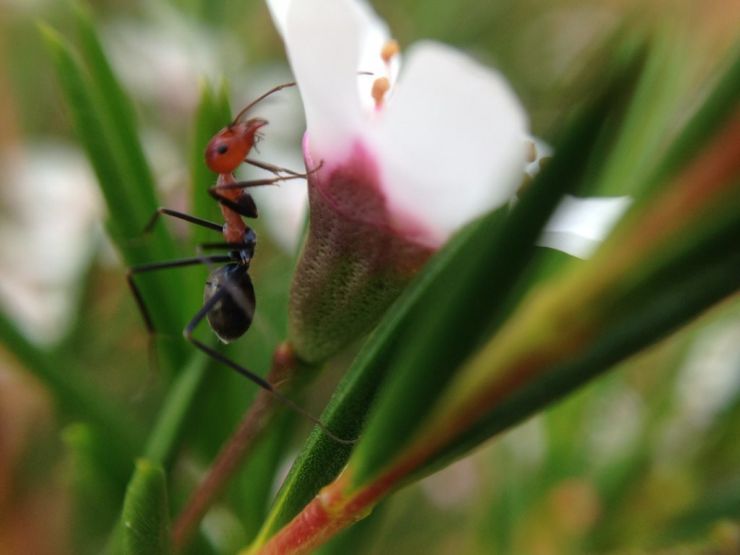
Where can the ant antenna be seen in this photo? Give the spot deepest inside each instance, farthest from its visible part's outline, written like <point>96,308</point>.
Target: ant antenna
<point>260,99</point>
<point>272,91</point>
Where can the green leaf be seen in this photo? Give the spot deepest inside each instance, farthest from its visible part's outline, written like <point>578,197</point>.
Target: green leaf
<point>98,479</point>
<point>322,458</point>
<point>668,308</point>
<point>105,126</point>
<point>649,122</point>
<point>479,290</point>
<point>119,121</point>
<point>213,113</point>
<point>145,512</point>
<point>640,286</point>
<point>431,301</point>
<point>170,424</point>
<point>713,113</point>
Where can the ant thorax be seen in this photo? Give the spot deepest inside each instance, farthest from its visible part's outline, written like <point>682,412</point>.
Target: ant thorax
<point>235,227</point>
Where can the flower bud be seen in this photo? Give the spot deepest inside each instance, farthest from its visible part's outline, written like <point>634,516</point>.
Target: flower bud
<point>353,264</point>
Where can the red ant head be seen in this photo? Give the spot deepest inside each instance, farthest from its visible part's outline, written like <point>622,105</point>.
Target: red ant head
<point>231,145</point>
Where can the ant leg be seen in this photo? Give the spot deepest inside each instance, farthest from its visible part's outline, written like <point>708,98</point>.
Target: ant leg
<point>245,206</point>
<point>181,216</point>
<point>239,185</point>
<point>270,167</point>
<point>223,245</point>
<point>261,382</point>
<point>255,182</point>
<point>163,266</point>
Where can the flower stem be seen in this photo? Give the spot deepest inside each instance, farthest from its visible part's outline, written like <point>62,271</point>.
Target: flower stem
<point>336,507</point>
<point>232,455</point>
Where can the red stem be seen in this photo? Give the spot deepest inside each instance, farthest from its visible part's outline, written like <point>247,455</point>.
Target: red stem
<point>233,453</point>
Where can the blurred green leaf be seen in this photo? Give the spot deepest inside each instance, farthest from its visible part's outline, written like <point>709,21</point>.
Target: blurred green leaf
<point>119,121</point>
<point>170,424</point>
<point>146,513</point>
<point>98,480</point>
<point>73,396</point>
<point>650,120</point>
<point>713,113</point>
<point>104,124</point>
<point>212,114</point>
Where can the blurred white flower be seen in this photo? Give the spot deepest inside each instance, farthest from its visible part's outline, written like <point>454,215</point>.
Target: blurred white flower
<point>47,236</point>
<point>578,225</point>
<point>710,376</point>
<point>706,385</point>
<point>162,57</point>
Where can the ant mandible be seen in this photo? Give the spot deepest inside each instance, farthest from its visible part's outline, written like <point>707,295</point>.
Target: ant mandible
<point>229,299</point>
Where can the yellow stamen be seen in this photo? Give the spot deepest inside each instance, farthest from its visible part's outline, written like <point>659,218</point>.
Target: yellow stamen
<point>390,49</point>
<point>380,87</point>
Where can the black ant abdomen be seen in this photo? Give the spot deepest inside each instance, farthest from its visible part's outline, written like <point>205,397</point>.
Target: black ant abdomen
<point>232,315</point>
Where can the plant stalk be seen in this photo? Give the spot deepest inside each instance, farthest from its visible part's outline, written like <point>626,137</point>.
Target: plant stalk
<point>232,455</point>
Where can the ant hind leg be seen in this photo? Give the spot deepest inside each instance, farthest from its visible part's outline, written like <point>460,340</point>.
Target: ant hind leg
<point>258,380</point>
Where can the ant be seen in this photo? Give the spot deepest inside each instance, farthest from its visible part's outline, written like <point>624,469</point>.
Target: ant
<point>229,299</point>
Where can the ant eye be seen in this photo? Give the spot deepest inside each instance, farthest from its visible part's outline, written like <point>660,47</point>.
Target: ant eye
<point>222,149</point>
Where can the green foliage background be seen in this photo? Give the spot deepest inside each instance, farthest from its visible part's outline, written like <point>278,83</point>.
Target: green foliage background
<point>622,464</point>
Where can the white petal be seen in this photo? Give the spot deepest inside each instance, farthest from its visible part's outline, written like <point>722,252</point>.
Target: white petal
<point>321,38</point>
<point>451,139</point>
<point>372,37</point>
<point>279,12</point>
<point>580,224</point>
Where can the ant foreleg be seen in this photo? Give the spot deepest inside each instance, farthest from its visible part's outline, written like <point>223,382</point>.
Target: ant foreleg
<point>240,185</point>
<point>180,216</point>
<point>217,297</point>
<point>245,205</point>
<point>272,168</point>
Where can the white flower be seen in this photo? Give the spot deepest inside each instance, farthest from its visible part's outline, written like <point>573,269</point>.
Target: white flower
<point>399,161</point>
<point>448,139</point>
<point>579,225</point>
<point>48,237</point>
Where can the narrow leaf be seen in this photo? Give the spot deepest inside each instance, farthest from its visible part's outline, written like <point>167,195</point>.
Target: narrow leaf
<point>409,321</point>
<point>97,104</point>
<point>145,512</point>
<point>163,441</point>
